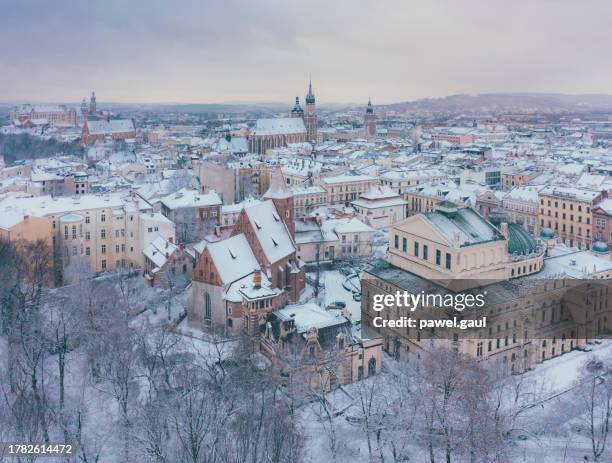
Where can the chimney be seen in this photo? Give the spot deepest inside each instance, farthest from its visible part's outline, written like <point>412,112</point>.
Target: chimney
<point>504,229</point>
<point>257,279</point>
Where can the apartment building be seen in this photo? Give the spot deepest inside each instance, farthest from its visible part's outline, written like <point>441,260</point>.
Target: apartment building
<point>307,198</point>
<point>195,214</point>
<point>521,206</point>
<point>96,233</point>
<point>454,135</point>
<point>568,211</point>
<point>400,180</point>
<point>346,188</point>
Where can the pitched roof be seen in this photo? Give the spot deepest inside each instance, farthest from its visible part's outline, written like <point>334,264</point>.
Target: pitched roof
<point>233,258</point>
<point>471,228</point>
<point>103,127</point>
<point>280,126</point>
<point>186,197</point>
<point>157,249</point>
<point>278,186</point>
<point>270,230</point>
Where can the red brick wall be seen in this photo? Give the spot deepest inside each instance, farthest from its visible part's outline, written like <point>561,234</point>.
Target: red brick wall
<point>205,270</point>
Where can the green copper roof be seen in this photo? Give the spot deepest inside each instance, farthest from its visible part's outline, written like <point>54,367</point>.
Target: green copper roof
<point>547,233</point>
<point>520,241</point>
<point>600,247</point>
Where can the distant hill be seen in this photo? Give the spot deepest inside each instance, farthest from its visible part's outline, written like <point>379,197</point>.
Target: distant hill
<point>509,102</point>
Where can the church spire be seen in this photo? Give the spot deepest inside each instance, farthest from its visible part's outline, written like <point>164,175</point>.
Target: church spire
<point>278,185</point>
<point>92,103</point>
<point>310,98</point>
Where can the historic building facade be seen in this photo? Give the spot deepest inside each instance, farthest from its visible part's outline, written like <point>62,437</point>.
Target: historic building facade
<point>535,307</point>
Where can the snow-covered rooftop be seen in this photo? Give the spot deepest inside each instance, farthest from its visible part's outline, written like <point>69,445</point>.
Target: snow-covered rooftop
<point>279,126</point>
<point>187,197</point>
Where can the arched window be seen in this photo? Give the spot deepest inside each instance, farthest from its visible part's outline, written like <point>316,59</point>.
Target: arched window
<point>207,307</point>
<point>372,366</point>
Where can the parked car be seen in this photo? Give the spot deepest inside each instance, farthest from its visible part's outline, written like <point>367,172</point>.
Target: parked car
<point>357,297</point>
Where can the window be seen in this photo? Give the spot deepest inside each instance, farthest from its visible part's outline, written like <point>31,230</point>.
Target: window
<point>117,248</point>
<point>438,257</point>
<point>87,219</point>
<point>103,218</point>
<point>404,245</point>
<point>372,366</point>
<point>103,233</point>
<point>87,236</point>
<point>150,230</point>
<point>87,251</point>
<point>207,307</point>
<point>425,252</point>
<point>396,242</point>
<point>104,249</point>
<point>103,265</point>
<point>448,261</point>
<point>416,249</point>
<point>479,349</point>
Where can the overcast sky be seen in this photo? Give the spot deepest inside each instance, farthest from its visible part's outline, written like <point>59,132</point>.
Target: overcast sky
<point>259,50</point>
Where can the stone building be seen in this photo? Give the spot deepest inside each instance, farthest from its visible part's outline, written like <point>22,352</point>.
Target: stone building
<point>111,129</point>
<point>569,212</point>
<point>346,188</point>
<point>53,115</point>
<point>535,307</point>
<point>321,347</point>
<point>195,214</point>
<point>380,207</point>
<point>94,233</point>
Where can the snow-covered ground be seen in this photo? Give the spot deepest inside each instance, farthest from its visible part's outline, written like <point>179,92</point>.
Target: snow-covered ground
<point>560,373</point>
<point>334,291</point>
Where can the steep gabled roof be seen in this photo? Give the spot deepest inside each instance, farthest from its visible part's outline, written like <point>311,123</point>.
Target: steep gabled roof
<point>270,230</point>
<point>233,258</point>
<point>278,186</point>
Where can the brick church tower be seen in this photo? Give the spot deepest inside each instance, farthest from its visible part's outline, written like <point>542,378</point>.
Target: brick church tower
<point>310,116</point>
<point>282,198</point>
<point>369,121</point>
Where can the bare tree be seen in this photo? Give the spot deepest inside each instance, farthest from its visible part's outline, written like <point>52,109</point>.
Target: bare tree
<point>593,394</point>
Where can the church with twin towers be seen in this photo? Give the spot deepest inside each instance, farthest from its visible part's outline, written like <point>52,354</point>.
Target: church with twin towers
<point>300,127</point>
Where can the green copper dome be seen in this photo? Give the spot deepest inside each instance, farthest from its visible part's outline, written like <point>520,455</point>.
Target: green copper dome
<point>600,247</point>
<point>547,233</point>
<point>520,241</point>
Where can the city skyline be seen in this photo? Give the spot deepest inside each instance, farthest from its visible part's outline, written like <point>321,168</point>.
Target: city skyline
<point>265,52</point>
